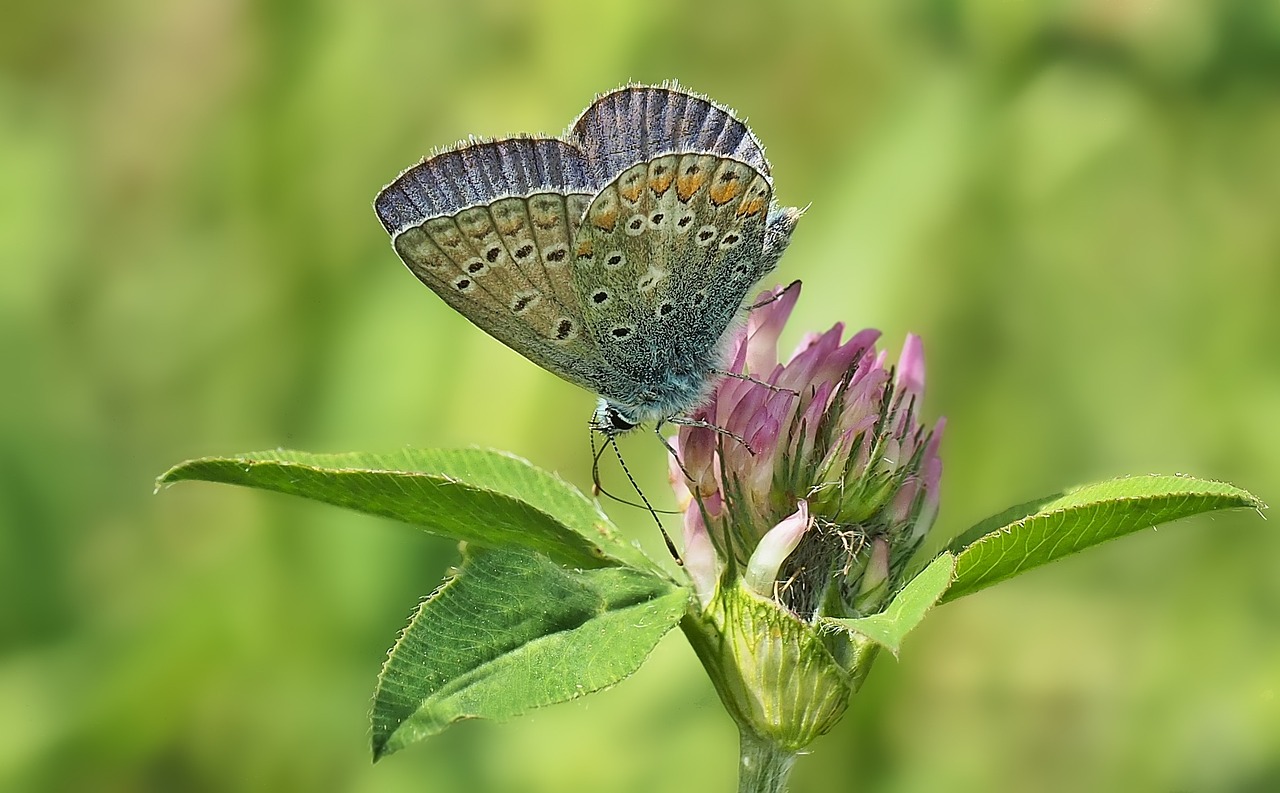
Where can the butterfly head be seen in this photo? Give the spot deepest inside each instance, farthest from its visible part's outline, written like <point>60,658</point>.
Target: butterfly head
<point>611,419</point>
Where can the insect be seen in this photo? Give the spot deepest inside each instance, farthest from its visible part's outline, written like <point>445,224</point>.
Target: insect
<point>616,256</point>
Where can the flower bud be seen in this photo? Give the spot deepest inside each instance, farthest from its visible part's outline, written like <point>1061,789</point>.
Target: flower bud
<point>772,670</point>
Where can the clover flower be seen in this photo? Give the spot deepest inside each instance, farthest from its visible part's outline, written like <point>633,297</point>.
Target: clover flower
<point>806,485</point>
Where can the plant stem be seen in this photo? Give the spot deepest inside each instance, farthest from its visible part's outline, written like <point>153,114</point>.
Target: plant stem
<point>764,767</point>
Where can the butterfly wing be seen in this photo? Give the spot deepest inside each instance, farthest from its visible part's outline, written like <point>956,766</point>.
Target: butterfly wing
<point>664,258</point>
<point>637,123</point>
<point>615,257</point>
<point>489,227</point>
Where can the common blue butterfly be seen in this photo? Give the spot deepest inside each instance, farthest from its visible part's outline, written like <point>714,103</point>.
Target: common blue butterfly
<point>616,256</point>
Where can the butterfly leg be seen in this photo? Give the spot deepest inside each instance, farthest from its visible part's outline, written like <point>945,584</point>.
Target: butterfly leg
<point>684,421</point>
<point>750,379</point>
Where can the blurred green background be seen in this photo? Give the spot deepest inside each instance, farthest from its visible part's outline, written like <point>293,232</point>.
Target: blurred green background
<point>1076,203</point>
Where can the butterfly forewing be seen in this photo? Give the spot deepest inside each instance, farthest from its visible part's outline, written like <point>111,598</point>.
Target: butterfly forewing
<point>479,173</point>
<point>503,261</point>
<point>553,221</point>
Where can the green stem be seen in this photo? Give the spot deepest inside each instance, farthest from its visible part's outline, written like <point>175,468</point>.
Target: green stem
<point>764,766</point>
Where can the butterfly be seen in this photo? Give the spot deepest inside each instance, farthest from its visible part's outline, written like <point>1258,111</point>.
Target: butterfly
<point>617,256</point>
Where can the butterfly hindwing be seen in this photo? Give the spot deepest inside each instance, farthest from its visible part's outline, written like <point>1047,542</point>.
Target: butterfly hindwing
<point>666,255</point>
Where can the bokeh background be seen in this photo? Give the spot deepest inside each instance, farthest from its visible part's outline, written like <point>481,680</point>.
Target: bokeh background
<point>1076,204</point>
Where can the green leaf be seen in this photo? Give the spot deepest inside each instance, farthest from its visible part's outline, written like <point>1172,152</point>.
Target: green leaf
<point>484,497</point>
<point>907,608</point>
<point>512,631</point>
<point>1050,528</point>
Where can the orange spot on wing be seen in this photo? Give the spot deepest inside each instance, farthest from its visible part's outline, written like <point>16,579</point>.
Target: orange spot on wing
<point>689,183</point>
<point>632,190</point>
<point>605,219</point>
<point>724,191</point>
<point>659,183</point>
<point>751,206</point>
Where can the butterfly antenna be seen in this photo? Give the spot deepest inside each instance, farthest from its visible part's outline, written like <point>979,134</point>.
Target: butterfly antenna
<point>671,546</point>
<point>598,488</point>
